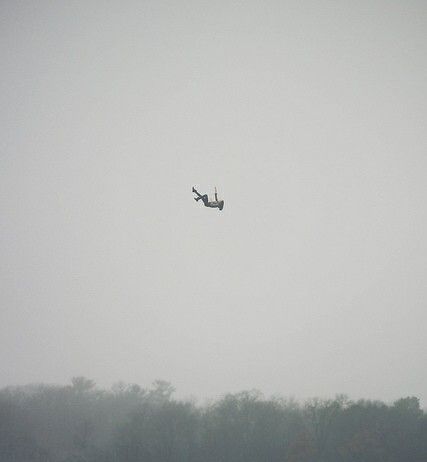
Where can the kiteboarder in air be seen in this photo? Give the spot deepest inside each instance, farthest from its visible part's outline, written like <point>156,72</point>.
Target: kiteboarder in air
<point>216,204</point>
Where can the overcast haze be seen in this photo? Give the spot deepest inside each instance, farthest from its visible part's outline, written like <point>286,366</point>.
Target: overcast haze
<point>310,118</point>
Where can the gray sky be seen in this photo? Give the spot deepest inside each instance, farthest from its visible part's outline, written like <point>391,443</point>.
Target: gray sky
<point>309,116</point>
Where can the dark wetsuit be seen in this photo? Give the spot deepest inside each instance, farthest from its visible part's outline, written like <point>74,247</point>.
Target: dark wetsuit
<point>216,204</point>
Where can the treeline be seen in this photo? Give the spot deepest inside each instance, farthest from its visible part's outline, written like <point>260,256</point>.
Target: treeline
<point>81,423</point>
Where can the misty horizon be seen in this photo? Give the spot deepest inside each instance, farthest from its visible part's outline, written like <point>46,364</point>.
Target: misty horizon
<point>309,118</point>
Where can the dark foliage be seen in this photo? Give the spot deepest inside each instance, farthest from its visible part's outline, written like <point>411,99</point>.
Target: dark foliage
<point>80,423</point>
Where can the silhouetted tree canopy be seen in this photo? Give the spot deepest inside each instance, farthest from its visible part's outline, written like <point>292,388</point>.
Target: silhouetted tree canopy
<point>82,423</point>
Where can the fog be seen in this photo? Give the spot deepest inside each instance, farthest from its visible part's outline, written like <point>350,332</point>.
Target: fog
<point>309,117</point>
<point>81,422</point>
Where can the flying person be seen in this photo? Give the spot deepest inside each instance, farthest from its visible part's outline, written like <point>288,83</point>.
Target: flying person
<point>216,204</point>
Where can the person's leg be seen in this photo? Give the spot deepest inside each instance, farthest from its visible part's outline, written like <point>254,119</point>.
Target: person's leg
<point>199,196</point>
<point>205,199</point>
